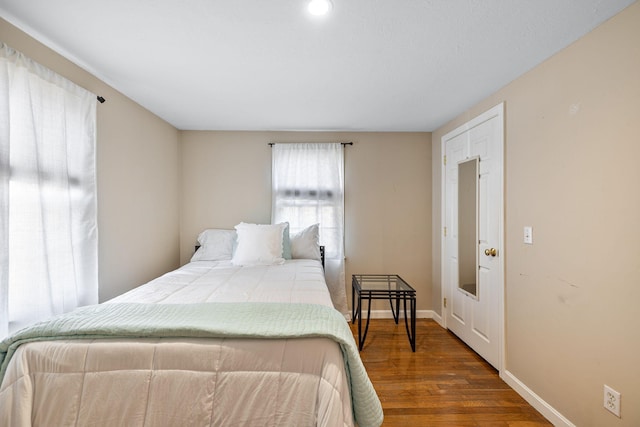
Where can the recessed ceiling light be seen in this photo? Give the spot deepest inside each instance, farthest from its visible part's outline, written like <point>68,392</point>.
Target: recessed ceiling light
<point>319,7</point>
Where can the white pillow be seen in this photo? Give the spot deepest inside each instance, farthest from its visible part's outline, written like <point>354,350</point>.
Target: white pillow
<point>305,244</point>
<point>215,245</point>
<point>259,244</point>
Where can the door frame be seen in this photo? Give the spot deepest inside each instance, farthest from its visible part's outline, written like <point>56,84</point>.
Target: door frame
<point>496,111</point>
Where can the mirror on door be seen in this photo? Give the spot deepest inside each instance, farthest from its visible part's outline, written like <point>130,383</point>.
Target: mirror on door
<point>468,226</point>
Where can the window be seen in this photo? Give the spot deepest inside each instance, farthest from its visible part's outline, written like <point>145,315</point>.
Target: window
<point>308,188</point>
<point>48,227</point>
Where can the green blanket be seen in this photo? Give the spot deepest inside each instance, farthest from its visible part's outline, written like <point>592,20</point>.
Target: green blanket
<point>213,320</point>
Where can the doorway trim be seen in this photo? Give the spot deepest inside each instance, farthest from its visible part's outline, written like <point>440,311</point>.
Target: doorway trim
<point>496,111</point>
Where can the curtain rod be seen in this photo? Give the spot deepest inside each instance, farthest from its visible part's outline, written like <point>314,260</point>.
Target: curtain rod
<point>271,144</point>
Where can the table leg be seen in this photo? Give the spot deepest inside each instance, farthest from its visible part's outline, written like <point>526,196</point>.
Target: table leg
<point>353,303</point>
<point>359,314</point>
<point>410,333</point>
<point>413,324</point>
<point>396,312</point>
<point>366,328</point>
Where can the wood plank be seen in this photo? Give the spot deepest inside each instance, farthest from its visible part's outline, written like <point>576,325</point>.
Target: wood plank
<point>444,383</point>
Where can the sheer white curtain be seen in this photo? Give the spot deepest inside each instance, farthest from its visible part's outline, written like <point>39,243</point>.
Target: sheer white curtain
<point>48,227</point>
<point>307,189</point>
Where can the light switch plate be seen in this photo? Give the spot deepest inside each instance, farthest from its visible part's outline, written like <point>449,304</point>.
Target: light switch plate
<point>528,235</point>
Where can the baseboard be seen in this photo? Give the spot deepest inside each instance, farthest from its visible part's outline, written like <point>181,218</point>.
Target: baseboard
<point>386,314</point>
<point>548,411</point>
<point>438,319</point>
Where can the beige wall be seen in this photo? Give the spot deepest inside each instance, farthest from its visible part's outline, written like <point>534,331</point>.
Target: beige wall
<point>226,178</point>
<point>137,167</point>
<point>572,152</point>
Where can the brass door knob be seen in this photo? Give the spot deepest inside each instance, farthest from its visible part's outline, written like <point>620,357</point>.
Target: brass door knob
<point>491,252</point>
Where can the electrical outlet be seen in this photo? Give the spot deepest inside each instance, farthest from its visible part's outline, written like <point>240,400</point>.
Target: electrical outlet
<point>612,400</point>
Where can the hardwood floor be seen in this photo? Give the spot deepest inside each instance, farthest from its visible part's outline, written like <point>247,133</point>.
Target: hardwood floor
<point>443,383</point>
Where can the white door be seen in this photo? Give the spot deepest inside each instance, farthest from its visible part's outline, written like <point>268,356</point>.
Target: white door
<point>475,312</point>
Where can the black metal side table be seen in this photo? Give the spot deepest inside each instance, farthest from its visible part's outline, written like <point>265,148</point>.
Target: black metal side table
<point>383,286</point>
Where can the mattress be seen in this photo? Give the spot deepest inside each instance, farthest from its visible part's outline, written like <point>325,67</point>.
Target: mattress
<point>200,381</point>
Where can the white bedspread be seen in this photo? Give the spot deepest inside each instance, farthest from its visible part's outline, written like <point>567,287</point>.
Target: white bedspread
<point>176,382</point>
<point>295,281</point>
<point>188,381</point>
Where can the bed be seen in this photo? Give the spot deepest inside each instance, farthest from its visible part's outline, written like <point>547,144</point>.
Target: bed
<point>218,342</point>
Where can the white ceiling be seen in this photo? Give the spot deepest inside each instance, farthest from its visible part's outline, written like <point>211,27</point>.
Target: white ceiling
<point>370,65</point>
